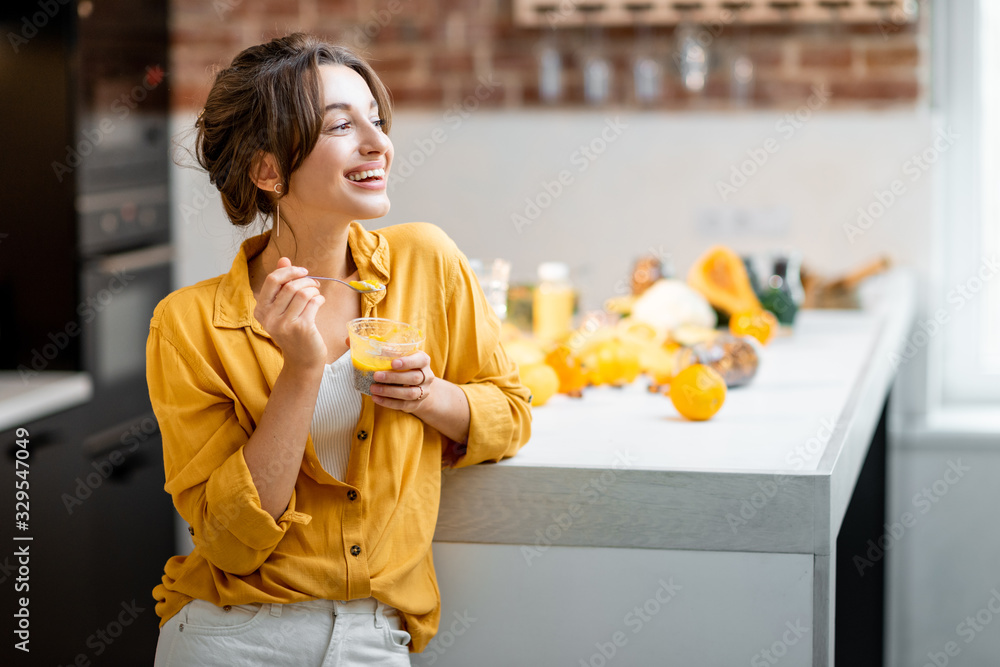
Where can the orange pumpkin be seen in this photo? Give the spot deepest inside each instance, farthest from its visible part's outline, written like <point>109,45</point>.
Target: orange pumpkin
<point>720,276</point>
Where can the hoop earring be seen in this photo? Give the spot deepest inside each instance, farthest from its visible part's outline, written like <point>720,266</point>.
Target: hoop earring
<point>277,212</point>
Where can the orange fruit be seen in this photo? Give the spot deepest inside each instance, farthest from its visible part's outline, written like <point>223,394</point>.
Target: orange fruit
<point>617,362</point>
<point>698,392</point>
<point>569,368</point>
<point>761,324</point>
<point>542,380</point>
<point>659,363</point>
<point>590,368</point>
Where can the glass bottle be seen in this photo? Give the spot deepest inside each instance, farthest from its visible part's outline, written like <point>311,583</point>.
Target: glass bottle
<point>691,54</point>
<point>552,303</point>
<point>647,75</point>
<point>550,86</point>
<point>596,67</point>
<point>741,66</point>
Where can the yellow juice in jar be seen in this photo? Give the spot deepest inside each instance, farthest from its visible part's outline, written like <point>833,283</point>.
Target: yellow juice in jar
<point>552,308</point>
<point>375,342</point>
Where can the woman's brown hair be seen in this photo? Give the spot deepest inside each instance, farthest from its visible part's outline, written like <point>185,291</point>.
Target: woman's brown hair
<point>269,101</point>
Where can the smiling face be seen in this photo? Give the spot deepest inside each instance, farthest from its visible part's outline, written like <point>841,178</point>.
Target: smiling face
<point>345,174</point>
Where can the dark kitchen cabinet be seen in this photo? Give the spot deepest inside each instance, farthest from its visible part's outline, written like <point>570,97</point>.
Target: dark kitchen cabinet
<point>101,529</point>
<point>83,119</point>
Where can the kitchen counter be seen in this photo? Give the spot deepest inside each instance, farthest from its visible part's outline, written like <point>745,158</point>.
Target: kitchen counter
<point>41,395</point>
<point>616,499</point>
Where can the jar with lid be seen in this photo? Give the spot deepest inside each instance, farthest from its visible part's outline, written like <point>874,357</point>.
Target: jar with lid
<point>552,303</point>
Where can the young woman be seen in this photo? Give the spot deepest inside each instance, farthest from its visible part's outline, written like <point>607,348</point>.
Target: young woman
<point>312,507</point>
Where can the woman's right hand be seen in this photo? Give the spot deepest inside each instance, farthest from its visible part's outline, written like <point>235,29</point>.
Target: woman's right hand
<point>286,308</point>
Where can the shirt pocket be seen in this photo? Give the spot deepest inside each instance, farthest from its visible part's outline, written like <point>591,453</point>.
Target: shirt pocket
<point>204,618</point>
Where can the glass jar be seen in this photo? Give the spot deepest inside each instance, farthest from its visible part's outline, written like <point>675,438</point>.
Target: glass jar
<point>552,303</point>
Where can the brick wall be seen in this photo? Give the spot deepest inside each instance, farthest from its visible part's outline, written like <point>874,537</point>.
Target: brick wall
<point>436,53</point>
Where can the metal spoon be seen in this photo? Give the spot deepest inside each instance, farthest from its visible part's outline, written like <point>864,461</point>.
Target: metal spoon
<point>360,290</point>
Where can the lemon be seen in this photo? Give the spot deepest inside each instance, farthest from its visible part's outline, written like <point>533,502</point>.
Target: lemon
<point>698,392</point>
<point>542,380</point>
<point>761,324</point>
<point>523,352</point>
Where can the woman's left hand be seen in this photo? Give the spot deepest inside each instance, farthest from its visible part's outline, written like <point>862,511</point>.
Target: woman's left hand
<point>411,386</point>
<point>407,386</point>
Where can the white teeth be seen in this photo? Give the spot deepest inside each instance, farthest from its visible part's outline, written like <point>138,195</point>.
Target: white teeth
<point>361,175</point>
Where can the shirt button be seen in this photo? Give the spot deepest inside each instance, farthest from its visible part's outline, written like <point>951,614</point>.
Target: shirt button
<point>191,530</point>
<point>352,495</point>
<point>228,607</point>
<point>355,550</point>
<point>362,435</point>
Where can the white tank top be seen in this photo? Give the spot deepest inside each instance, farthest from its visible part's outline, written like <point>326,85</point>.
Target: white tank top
<point>338,407</point>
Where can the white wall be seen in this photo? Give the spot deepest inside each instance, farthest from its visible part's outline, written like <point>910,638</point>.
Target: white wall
<point>649,188</point>
<point>652,184</point>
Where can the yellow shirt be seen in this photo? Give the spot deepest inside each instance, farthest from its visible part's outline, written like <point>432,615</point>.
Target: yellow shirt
<point>210,368</point>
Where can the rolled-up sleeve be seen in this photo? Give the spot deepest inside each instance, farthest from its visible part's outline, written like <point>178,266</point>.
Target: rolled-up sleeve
<point>500,413</point>
<point>206,473</point>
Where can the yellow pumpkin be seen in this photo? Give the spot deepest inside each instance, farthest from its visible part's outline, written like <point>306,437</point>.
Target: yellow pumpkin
<point>720,276</point>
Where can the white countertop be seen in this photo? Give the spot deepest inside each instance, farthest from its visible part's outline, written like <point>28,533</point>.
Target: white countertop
<point>24,399</point>
<point>804,423</point>
<point>803,381</point>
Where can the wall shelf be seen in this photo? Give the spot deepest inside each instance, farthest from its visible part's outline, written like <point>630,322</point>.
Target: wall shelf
<point>572,13</point>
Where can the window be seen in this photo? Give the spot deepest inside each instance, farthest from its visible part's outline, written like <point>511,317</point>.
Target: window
<point>966,83</point>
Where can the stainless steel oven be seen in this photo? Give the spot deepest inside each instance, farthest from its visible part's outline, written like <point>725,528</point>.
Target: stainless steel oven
<point>120,291</point>
<point>113,220</point>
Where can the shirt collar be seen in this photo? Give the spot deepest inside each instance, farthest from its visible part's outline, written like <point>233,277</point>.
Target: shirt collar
<point>234,300</point>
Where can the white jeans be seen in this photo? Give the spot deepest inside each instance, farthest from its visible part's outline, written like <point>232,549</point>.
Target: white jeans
<point>327,633</point>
